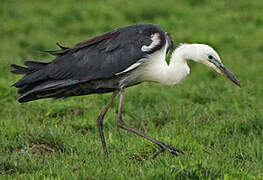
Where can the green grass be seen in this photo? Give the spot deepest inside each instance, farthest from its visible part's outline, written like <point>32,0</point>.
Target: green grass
<point>219,125</point>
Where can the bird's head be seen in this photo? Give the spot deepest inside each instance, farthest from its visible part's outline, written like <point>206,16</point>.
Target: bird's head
<point>207,55</point>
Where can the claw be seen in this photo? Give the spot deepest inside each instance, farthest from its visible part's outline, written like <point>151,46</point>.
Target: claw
<point>175,151</point>
<point>172,150</point>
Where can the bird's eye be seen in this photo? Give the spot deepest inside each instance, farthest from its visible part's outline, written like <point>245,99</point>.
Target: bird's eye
<point>210,57</point>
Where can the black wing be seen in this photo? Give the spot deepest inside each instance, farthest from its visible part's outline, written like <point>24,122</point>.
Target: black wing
<point>98,58</point>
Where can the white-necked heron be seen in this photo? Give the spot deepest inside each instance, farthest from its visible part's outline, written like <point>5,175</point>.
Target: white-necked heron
<point>112,62</point>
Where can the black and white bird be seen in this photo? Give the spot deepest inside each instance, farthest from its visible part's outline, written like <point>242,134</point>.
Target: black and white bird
<point>112,62</point>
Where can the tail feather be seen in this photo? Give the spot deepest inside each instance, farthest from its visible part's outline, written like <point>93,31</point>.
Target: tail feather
<point>26,88</point>
<point>46,89</point>
<point>35,65</point>
<point>32,73</point>
<point>62,47</point>
<point>20,69</point>
<point>60,52</point>
<point>30,79</point>
<point>50,89</point>
<point>34,95</point>
<point>36,84</point>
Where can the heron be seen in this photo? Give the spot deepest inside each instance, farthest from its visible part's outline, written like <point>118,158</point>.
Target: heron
<point>112,62</point>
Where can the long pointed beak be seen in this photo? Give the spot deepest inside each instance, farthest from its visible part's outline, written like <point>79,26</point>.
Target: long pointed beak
<point>226,72</point>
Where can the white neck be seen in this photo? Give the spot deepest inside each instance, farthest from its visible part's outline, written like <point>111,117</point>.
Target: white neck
<point>174,72</point>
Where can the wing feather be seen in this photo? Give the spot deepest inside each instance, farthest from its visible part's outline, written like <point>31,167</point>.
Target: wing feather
<point>101,57</point>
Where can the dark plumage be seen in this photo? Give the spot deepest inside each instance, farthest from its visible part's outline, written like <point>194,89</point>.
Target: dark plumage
<point>86,67</point>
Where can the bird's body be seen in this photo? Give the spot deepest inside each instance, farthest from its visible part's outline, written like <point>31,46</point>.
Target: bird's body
<point>108,62</point>
<point>112,62</point>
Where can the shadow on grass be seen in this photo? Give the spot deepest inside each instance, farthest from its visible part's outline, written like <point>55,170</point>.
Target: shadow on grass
<point>6,168</point>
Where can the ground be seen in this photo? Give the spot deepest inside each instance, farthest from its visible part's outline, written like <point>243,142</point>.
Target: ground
<point>219,125</point>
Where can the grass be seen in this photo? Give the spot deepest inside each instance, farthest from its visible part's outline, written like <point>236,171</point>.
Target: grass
<point>219,125</point>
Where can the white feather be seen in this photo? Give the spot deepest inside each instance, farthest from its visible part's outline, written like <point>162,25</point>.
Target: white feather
<point>155,42</point>
<point>157,69</point>
<point>133,66</point>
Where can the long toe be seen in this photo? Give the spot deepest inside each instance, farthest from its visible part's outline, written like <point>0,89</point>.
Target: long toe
<point>174,150</point>
<point>171,149</point>
<point>157,153</point>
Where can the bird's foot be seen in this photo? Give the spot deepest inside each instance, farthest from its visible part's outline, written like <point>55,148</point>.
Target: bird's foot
<point>174,150</point>
<point>171,149</point>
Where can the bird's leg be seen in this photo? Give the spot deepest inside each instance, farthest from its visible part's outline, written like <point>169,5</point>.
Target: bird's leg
<point>162,145</point>
<point>100,122</point>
